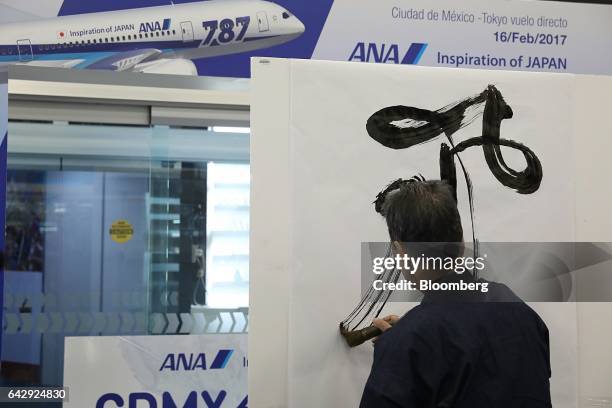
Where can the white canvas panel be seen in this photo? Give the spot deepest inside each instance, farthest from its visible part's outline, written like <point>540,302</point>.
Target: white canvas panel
<point>337,170</point>
<point>312,207</point>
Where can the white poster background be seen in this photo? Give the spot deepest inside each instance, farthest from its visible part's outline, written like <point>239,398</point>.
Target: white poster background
<point>316,113</point>
<point>338,170</point>
<point>94,366</point>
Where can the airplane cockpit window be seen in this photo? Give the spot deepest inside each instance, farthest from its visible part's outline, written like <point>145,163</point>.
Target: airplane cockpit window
<point>286,15</point>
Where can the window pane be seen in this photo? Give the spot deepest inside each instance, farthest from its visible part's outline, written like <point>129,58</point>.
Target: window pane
<point>118,231</point>
<point>228,235</point>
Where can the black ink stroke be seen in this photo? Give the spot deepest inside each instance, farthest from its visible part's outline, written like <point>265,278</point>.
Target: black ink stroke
<point>401,127</point>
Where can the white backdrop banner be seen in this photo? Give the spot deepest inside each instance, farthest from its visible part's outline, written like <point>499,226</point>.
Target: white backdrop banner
<point>157,371</point>
<point>342,169</point>
<point>310,150</point>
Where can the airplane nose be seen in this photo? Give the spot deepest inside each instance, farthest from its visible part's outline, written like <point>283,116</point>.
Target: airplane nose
<point>299,26</point>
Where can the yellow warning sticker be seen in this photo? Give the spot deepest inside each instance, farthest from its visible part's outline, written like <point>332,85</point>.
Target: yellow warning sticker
<point>121,231</point>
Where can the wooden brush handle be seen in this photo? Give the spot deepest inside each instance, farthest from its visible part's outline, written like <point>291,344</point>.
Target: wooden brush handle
<point>356,337</point>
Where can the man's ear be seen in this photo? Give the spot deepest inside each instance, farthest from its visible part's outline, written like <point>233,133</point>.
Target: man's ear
<point>399,249</point>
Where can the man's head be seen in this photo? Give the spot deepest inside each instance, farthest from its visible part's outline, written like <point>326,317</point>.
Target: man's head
<point>421,211</point>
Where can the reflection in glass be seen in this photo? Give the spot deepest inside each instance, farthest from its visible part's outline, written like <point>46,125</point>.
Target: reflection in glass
<point>182,194</point>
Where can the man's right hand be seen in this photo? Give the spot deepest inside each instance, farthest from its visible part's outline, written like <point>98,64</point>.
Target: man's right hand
<point>385,323</point>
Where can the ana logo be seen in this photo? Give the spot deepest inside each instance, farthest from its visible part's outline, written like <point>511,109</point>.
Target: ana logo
<point>155,26</point>
<point>192,362</point>
<point>387,53</point>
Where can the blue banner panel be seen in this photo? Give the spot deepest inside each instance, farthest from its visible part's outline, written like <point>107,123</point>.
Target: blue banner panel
<point>218,38</point>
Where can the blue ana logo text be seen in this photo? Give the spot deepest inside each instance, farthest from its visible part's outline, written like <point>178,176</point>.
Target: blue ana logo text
<point>155,26</point>
<point>195,361</point>
<point>138,399</point>
<point>387,53</point>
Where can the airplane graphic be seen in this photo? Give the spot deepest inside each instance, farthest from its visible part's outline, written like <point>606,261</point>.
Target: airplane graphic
<point>162,39</point>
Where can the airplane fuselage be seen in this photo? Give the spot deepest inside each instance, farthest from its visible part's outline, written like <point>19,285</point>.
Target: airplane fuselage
<point>188,31</point>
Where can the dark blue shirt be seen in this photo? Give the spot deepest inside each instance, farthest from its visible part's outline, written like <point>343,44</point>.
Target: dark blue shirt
<point>461,350</point>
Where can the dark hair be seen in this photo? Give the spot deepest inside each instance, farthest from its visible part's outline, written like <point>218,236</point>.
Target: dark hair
<point>419,210</point>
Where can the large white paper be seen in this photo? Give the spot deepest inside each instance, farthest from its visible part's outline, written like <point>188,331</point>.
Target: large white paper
<point>338,170</point>
<point>334,171</point>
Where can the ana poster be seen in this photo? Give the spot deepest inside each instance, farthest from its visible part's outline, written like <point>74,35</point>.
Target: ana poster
<point>218,38</point>
<point>189,371</point>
